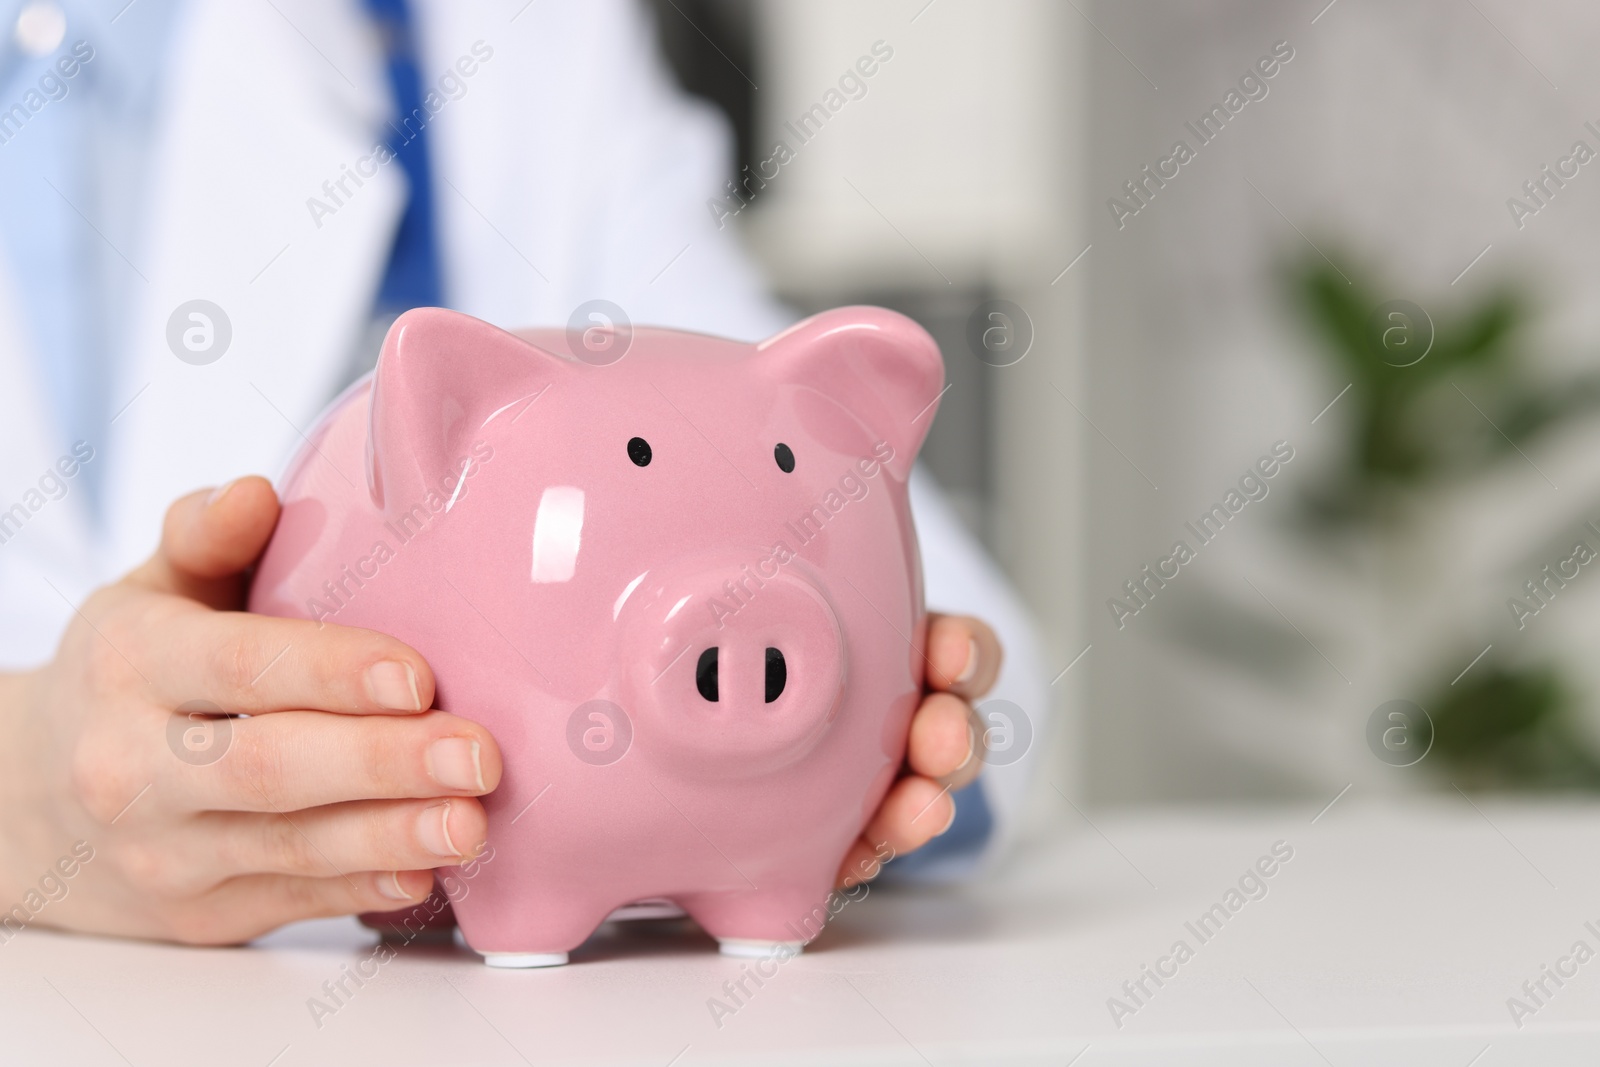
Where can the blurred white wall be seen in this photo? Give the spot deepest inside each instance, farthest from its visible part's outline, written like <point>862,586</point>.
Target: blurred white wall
<point>1398,131</point>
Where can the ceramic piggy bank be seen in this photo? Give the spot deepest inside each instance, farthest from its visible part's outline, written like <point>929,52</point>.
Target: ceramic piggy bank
<point>681,589</point>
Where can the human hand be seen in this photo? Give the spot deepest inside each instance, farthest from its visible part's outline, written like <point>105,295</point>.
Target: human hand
<point>337,794</point>
<point>943,752</point>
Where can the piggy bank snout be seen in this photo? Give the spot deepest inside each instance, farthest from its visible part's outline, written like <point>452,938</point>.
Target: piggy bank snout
<point>736,678</point>
<point>774,671</point>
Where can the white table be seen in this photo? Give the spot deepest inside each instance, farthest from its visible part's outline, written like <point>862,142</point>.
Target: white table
<point>1394,936</point>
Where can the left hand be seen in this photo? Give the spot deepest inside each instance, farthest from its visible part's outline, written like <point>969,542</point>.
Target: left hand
<point>944,751</point>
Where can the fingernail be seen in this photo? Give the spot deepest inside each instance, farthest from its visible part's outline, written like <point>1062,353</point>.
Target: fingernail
<point>972,746</point>
<point>949,822</point>
<point>454,764</point>
<point>433,830</point>
<point>393,685</point>
<point>971,668</point>
<point>220,491</point>
<point>389,886</point>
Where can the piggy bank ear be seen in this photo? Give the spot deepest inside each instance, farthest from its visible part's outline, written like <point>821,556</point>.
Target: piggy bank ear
<point>877,364</point>
<point>441,379</point>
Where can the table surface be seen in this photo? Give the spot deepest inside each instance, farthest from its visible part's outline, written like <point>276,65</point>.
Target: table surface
<point>1396,934</point>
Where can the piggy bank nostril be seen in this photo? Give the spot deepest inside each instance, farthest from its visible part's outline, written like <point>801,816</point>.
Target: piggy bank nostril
<point>705,674</point>
<point>777,674</point>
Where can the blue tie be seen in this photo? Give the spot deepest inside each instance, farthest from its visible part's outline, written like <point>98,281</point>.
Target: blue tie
<point>412,277</point>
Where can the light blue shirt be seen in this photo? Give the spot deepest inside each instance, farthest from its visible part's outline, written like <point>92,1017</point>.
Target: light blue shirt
<point>74,154</point>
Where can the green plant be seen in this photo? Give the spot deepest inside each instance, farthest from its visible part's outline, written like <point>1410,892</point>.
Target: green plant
<point>1440,398</point>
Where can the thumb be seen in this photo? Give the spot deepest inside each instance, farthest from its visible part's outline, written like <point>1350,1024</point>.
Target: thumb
<point>210,538</point>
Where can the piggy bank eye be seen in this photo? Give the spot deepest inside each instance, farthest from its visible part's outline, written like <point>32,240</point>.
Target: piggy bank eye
<point>785,457</point>
<point>639,452</point>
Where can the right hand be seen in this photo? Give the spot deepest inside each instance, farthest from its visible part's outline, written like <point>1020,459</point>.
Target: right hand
<point>337,795</point>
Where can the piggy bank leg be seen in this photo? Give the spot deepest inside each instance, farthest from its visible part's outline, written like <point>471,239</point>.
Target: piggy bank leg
<point>749,948</point>
<point>519,960</point>
<point>523,927</point>
<point>761,923</point>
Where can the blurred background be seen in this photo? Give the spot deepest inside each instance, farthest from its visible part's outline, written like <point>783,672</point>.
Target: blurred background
<point>1338,345</point>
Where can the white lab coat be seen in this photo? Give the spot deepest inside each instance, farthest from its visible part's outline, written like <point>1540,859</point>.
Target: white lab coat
<point>570,169</point>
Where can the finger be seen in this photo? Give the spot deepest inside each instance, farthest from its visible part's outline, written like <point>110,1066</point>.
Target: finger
<point>305,759</point>
<point>861,864</point>
<point>963,655</point>
<point>944,740</point>
<point>251,664</point>
<point>208,540</point>
<point>915,811</point>
<point>249,906</point>
<point>368,835</point>
<point>432,921</point>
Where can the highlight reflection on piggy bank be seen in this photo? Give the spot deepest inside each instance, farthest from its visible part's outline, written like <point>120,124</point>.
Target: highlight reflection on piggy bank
<point>681,589</point>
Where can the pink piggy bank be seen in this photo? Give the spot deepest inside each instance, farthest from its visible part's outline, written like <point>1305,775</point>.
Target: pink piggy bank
<point>681,588</point>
